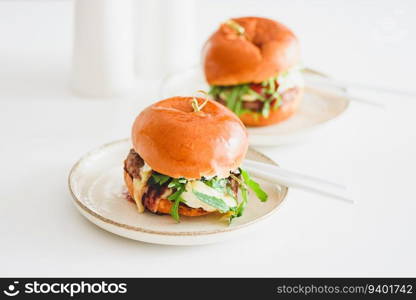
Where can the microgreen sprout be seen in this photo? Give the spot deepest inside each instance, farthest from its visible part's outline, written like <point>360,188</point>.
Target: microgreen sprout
<point>195,103</point>
<point>235,26</point>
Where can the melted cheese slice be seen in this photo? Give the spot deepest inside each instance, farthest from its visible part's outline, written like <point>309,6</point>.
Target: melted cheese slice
<point>192,201</point>
<point>140,186</point>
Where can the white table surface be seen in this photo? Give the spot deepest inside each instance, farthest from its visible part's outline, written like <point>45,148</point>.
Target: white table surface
<point>44,129</point>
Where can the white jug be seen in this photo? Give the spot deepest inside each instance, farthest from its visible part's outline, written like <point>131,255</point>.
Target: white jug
<point>103,53</point>
<point>117,42</point>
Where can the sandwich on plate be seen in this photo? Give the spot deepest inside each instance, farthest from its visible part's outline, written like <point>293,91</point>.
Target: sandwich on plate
<point>252,67</point>
<point>185,160</point>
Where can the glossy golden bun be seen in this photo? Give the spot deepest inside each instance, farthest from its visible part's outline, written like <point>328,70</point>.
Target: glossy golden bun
<point>164,204</point>
<point>264,50</point>
<point>176,141</point>
<point>285,111</point>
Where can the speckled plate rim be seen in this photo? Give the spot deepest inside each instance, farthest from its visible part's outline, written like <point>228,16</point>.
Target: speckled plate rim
<point>90,212</point>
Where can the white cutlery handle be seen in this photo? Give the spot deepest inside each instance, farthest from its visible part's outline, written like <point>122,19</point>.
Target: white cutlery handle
<point>329,81</point>
<point>290,174</point>
<point>306,185</point>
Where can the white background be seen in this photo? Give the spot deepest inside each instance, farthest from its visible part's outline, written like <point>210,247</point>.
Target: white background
<point>44,129</point>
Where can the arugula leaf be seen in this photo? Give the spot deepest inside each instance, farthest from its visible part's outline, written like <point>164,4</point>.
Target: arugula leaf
<point>217,183</point>
<point>220,184</point>
<point>266,109</point>
<point>174,211</point>
<point>259,97</point>
<point>179,184</point>
<point>213,201</point>
<point>232,97</point>
<point>278,102</point>
<point>160,178</point>
<point>214,90</point>
<point>239,210</point>
<point>176,194</point>
<point>245,88</point>
<point>243,204</point>
<point>238,107</point>
<point>272,85</point>
<point>254,186</point>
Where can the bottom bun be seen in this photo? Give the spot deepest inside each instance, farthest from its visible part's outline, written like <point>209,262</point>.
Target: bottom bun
<point>285,111</point>
<point>164,205</point>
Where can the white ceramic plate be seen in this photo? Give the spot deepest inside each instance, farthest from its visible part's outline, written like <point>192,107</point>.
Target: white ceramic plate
<point>318,108</point>
<point>97,186</point>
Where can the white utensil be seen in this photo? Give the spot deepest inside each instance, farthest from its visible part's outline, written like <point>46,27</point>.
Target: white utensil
<point>338,93</point>
<point>288,178</point>
<point>332,82</point>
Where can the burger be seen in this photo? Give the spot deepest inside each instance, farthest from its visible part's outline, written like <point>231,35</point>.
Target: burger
<point>185,160</point>
<point>252,67</point>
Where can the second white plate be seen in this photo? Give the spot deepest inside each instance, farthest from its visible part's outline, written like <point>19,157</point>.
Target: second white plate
<point>317,109</point>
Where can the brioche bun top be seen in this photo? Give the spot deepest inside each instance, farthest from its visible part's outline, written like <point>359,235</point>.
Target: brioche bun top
<point>176,141</point>
<point>265,49</point>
